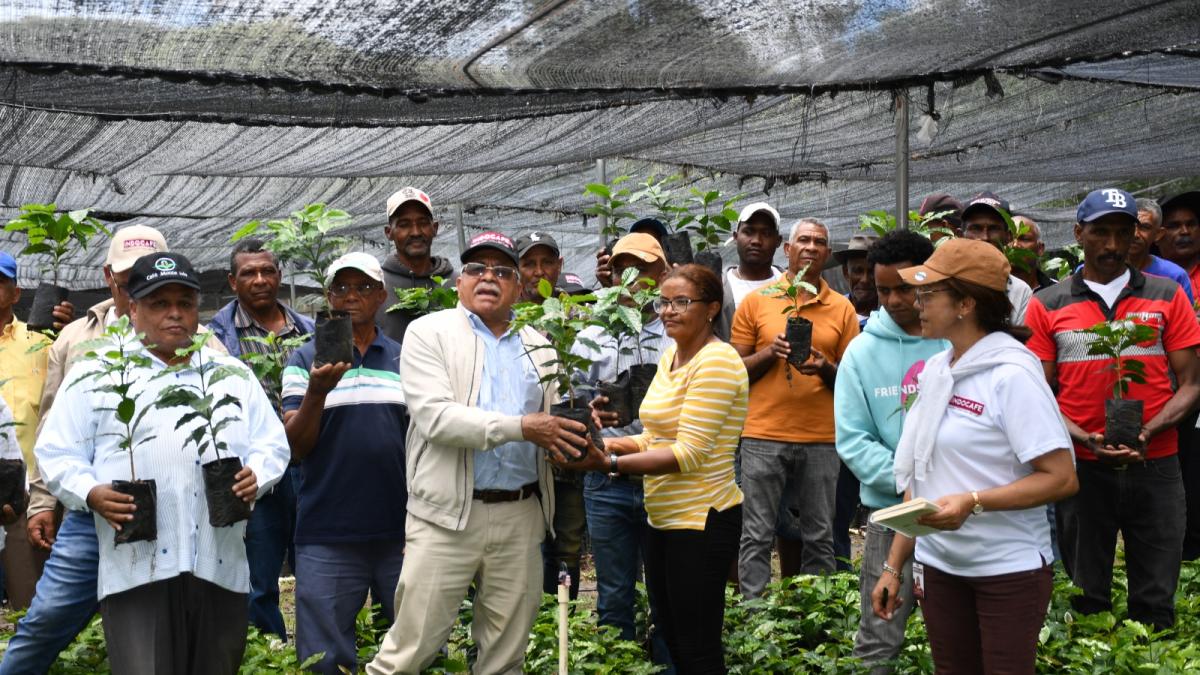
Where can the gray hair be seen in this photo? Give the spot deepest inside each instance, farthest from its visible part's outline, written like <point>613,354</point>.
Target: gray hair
<point>1150,206</point>
<point>807,221</point>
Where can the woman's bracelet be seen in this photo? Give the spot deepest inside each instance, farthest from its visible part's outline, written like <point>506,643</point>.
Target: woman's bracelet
<point>612,465</point>
<point>893,571</point>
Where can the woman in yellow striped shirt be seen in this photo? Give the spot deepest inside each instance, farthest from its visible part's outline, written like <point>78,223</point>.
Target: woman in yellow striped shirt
<point>692,417</point>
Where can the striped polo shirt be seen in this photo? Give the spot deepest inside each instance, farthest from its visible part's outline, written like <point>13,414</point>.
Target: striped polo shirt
<point>352,485</point>
<point>1058,315</point>
<point>697,411</point>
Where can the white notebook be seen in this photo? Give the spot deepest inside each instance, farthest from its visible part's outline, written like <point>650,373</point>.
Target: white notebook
<point>903,517</point>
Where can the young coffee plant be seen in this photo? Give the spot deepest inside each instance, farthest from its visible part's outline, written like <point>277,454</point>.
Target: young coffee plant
<point>1111,339</point>
<point>423,300</point>
<point>200,399</point>
<point>306,239</point>
<point>614,204</point>
<point>54,234</point>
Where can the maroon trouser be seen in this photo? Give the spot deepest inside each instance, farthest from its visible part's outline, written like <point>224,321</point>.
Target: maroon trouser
<point>985,624</point>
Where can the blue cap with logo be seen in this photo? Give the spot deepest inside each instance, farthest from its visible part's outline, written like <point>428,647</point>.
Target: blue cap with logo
<point>151,272</point>
<point>8,265</point>
<point>1102,202</point>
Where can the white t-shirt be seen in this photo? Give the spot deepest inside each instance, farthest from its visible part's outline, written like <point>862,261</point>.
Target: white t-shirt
<point>996,423</point>
<point>1112,289</point>
<point>741,287</point>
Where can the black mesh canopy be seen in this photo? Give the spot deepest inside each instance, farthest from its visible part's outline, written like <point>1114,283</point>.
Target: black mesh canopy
<point>195,117</point>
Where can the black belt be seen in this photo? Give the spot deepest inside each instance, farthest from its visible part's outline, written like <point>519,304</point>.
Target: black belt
<point>496,496</point>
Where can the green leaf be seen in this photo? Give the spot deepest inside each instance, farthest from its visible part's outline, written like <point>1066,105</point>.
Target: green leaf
<point>125,410</point>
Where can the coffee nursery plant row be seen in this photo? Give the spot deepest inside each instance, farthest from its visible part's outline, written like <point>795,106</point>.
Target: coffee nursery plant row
<point>803,625</point>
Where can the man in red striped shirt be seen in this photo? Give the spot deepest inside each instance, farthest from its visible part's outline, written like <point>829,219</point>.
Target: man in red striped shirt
<point>1138,492</point>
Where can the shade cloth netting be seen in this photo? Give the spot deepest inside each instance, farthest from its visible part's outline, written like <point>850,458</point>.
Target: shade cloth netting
<point>195,116</point>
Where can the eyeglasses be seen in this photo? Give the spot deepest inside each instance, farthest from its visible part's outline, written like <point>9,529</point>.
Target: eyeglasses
<point>342,290</point>
<point>678,305</point>
<point>477,270</point>
<point>925,292</point>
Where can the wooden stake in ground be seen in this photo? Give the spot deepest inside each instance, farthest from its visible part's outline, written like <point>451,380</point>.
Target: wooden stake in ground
<point>564,597</point>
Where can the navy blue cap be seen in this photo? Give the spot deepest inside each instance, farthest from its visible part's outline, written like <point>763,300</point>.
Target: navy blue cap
<point>8,265</point>
<point>652,226</point>
<point>1102,202</point>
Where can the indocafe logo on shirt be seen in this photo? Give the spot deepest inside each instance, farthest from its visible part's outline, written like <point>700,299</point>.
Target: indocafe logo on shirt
<point>973,407</point>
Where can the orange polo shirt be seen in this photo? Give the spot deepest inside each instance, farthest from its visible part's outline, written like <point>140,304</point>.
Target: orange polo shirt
<point>800,410</point>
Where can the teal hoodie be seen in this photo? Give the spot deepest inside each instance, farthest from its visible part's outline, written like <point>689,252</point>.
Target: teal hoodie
<point>877,373</point>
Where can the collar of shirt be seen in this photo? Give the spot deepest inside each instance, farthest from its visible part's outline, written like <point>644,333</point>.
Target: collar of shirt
<point>481,328</point>
<point>242,319</point>
<point>823,291</point>
<point>1079,287</point>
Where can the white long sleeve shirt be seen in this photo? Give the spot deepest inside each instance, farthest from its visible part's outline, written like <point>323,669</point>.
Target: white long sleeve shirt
<point>79,448</point>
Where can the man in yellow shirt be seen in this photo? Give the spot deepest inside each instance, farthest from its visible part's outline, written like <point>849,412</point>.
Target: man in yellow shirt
<point>787,441</point>
<point>23,356</point>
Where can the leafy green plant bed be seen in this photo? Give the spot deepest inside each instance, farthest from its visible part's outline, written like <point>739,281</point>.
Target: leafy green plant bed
<point>801,625</point>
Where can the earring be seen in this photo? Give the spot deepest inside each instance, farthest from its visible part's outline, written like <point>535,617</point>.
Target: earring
<point>960,316</point>
<point>710,319</point>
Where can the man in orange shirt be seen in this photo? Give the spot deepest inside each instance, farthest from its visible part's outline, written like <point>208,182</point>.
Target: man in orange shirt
<point>787,441</point>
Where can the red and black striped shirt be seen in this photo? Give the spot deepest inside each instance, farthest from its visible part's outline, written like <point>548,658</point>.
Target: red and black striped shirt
<point>1058,315</point>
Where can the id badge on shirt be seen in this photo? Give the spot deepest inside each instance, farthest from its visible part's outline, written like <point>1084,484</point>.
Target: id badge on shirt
<point>918,575</point>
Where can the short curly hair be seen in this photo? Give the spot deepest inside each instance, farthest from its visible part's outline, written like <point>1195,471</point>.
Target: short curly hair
<point>899,246</point>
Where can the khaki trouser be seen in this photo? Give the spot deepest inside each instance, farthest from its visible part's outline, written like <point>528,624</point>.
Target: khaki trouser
<point>22,564</point>
<point>500,551</point>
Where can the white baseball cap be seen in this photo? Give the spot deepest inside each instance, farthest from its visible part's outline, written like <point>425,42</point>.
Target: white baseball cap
<point>132,242</point>
<point>357,260</point>
<point>750,209</point>
<point>405,195</point>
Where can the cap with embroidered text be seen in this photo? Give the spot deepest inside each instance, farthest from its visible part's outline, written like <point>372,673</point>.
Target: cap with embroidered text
<point>151,272</point>
<point>132,242</point>
<point>986,201</point>
<point>494,240</point>
<point>1103,202</point>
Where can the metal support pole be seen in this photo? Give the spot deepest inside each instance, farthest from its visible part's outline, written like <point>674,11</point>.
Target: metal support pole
<point>902,159</point>
<point>602,177</point>
<point>458,228</point>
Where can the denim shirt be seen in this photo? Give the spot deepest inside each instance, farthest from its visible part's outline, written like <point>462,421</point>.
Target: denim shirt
<point>510,386</point>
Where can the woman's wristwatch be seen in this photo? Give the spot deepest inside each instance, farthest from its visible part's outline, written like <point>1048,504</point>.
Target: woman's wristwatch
<point>612,465</point>
<point>893,571</point>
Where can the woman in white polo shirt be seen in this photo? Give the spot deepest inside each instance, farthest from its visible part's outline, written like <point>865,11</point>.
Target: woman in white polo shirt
<point>985,442</point>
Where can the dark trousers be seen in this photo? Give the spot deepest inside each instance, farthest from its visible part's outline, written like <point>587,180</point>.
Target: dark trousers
<point>685,578</point>
<point>268,542</point>
<point>1189,465</point>
<point>790,544</point>
<point>1145,503</point>
<point>985,624</point>
<point>183,625</point>
<point>570,522</point>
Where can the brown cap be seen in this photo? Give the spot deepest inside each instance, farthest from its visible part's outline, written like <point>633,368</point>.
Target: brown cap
<point>640,245</point>
<point>976,262</point>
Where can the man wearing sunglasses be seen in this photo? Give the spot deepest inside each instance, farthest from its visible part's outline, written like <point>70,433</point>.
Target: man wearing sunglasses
<point>346,423</point>
<point>480,491</point>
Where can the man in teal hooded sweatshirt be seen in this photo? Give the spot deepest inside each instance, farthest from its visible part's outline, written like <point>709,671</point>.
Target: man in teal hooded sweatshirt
<point>876,377</point>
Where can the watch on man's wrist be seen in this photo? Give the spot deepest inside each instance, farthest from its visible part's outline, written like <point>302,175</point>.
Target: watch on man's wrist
<point>612,465</point>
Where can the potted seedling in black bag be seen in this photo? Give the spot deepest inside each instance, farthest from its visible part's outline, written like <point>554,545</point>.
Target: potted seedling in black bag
<point>307,239</point>
<point>619,311</point>
<point>55,235</point>
<point>798,332</point>
<point>1122,416</point>
<point>202,404</point>
<point>119,356</point>
<point>560,319</point>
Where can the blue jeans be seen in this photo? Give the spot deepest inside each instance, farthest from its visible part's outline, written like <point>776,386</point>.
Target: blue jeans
<point>64,602</point>
<point>332,581</point>
<point>616,520</point>
<point>268,539</point>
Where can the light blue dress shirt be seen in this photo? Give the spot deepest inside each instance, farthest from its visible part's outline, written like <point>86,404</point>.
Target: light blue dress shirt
<point>510,386</point>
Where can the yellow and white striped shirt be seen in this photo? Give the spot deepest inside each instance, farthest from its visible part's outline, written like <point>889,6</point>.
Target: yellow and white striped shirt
<point>697,411</point>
